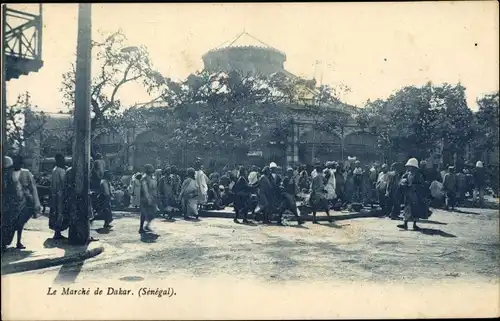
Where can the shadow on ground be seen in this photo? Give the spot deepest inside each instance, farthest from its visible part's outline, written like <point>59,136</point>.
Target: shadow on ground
<point>431,231</point>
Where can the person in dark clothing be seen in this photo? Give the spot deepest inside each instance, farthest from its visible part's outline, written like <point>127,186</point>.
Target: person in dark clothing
<point>266,194</point>
<point>340,184</point>
<point>318,197</point>
<point>450,188</point>
<point>393,193</point>
<point>411,184</point>
<point>288,201</point>
<point>104,200</point>
<point>241,192</point>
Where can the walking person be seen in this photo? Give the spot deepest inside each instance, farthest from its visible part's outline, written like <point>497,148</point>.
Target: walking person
<point>289,202</point>
<point>22,194</point>
<point>149,199</point>
<point>58,220</point>
<point>411,184</point>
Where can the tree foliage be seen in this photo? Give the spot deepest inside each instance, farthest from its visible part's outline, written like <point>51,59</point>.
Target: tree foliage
<point>24,121</point>
<point>486,123</point>
<point>117,66</point>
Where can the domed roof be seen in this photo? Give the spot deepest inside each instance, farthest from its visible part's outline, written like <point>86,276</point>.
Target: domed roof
<point>245,40</point>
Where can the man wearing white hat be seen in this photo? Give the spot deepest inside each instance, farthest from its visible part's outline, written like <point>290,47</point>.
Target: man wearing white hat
<point>479,183</point>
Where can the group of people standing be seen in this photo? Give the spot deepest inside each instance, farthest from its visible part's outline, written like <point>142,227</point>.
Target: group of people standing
<point>262,192</point>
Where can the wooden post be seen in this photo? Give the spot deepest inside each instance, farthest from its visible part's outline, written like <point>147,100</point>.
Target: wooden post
<point>79,230</point>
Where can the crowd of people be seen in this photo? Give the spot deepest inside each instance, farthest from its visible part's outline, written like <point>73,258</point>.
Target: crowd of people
<point>399,190</point>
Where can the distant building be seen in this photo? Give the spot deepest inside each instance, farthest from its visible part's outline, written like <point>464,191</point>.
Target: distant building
<point>250,56</point>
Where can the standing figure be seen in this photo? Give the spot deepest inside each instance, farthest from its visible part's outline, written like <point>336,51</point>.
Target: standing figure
<point>266,194</point>
<point>450,188</point>
<point>393,192</point>
<point>357,178</point>
<point>135,190</point>
<point>461,187</point>
<point>330,183</point>
<point>412,183</point>
<point>289,202</point>
<point>22,194</point>
<point>202,183</point>
<point>149,198</point>
<point>340,184</point>
<point>188,196</point>
<point>253,177</point>
<point>58,220</point>
<point>318,197</point>
<point>105,196</point>
<point>241,191</point>
<point>479,184</point>
<point>304,182</point>
<point>381,187</point>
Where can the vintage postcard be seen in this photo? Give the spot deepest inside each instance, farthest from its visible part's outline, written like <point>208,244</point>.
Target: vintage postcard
<point>171,161</point>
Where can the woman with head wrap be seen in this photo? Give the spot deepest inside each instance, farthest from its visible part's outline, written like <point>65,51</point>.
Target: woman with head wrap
<point>188,195</point>
<point>149,199</point>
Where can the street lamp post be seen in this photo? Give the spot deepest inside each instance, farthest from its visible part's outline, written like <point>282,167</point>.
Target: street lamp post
<point>79,230</point>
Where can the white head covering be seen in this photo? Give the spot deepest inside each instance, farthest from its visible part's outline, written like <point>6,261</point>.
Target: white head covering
<point>479,164</point>
<point>413,162</point>
<point>7,162</point>
<point>273,165</point>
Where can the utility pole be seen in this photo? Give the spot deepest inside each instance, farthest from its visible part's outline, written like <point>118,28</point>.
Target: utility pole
<point>4,84</point>
<point>79,230</point>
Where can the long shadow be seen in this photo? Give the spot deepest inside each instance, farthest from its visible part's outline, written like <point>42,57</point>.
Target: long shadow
<point>300,226</point>
<point>433,222</point>
<point>330,224</point>
<point>431,231</point>
<point>68,272</point>
<point>12,255</point>
<point>466,212</point>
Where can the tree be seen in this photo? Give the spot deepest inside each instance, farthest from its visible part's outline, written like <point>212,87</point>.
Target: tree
<point>455,123</point>
<point>486,124</point>
<point>219,110</point>
<point>24,122</point>
<point>412,125</point>
<point>117,66</point>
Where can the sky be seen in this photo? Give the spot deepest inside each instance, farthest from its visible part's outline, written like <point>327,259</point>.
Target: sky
<point>374,48</point>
